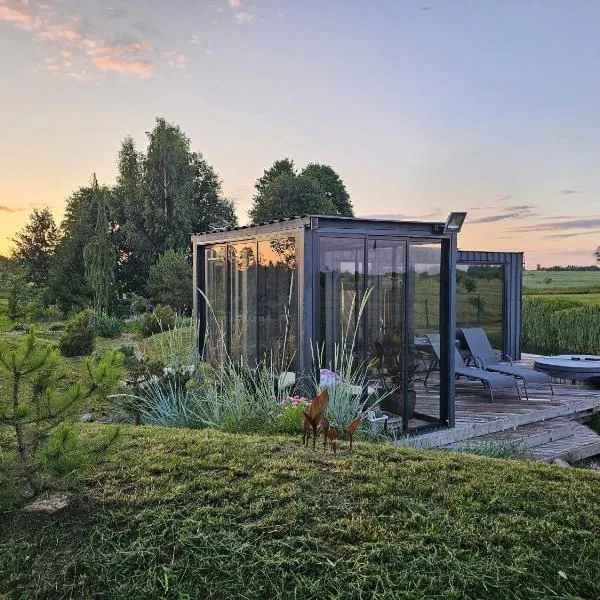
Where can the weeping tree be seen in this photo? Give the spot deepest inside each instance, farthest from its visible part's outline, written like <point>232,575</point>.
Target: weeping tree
<point>99,256</point>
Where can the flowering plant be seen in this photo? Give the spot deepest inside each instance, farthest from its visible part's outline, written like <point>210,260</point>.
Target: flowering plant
<point>288,418</point>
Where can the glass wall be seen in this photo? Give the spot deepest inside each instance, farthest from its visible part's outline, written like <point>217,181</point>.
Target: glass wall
<point>242,333</point>
<point>215,269</point>
<point>252,294</point>
<point>402,278</point>
<point>341,288</point>
<point>480,300</point>
<point>424,295</point>
<point>277,301</point>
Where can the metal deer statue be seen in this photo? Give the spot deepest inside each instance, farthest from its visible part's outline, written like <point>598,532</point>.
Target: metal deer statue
<point>313,417</point>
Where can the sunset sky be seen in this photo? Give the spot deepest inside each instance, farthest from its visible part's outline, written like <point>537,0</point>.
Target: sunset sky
<point>422,107</point>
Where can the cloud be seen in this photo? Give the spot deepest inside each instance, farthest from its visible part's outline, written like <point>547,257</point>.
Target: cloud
<point>524,207</point>
<point>495,218</point>
<point>503,197</point>
<point>17,14</point>
<point>244,17</point>
<point>74,49</point>
<point>563,225</point>
<point>139,68</point>
<point>176,59</point>
<point>568,192</point>
<point>11,209</point>
<point>560,236</point>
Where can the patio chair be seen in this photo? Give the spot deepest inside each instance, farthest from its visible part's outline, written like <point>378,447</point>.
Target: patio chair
<point>491,381</point>
<point>487,358</point>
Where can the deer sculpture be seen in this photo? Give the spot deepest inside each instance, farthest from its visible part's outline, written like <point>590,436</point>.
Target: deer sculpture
<point>314,416</point>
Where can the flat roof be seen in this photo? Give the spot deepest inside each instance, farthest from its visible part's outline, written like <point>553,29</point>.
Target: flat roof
<point>305,220</point>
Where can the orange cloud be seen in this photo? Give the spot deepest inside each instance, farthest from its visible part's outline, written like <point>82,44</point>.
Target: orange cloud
<point>18,16</point>
<point>139,68</point>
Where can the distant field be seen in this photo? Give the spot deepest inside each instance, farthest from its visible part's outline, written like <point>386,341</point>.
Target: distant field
<point>576,282</point>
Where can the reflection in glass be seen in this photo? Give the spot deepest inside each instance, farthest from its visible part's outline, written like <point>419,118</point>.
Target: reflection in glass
<point>242,334</point>
<point>424,301</point>
<point>277,301</point>
<point>385,317</point>
<point>216,309</point>
<point>341,288</point>
<point>480,300</point>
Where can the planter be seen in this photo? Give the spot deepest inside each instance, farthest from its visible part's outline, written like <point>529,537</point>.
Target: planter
<point>394,403</point>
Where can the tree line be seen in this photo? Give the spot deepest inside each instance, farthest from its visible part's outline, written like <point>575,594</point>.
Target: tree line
<point>133,238</point>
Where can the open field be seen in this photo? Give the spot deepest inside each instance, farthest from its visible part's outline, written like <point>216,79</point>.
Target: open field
<point>585,299</point>
<point>175,513</point>
<point>534,282</point>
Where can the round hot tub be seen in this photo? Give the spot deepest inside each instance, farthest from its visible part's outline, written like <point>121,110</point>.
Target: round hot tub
<point>577,367</point>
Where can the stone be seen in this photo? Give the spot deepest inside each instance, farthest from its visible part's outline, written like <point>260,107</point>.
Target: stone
<point>559,462</point>
<point>50,505</point>
<point>87,417</point>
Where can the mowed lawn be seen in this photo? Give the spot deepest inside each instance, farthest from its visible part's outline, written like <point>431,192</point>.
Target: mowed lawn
<point>173,513</point>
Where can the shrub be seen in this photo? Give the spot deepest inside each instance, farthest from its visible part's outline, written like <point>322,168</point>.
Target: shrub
<point>107,326</point>
<point>170,280</point>
<point>162,319</point>
<point>53,313</point>
<point>78,337</point>
<point>139,304</point>
<point>56,327</point>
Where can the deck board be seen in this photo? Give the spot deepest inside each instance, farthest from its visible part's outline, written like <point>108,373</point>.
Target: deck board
<point>549,425</point>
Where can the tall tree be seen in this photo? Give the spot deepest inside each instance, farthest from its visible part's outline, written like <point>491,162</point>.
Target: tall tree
<point>99,256</point>
<point>35,245</point>
<point>130,237</point>
<point>68,286</point>
<point>282,192</point>
<point>285,166</point>
<point>332,186</point>
<point>290,196</point>
<point>182,192</point>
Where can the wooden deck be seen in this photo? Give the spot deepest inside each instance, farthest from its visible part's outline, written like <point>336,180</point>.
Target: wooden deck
<point>545,426</point>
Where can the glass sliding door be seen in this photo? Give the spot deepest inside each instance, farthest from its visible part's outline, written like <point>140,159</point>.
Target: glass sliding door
<point>341,283</point>
<point>385,317</point>
<point>278,302</point>
<point>424,307</point>
<point>216,310</point>
<point>242,293</point>
<point>480,300</point>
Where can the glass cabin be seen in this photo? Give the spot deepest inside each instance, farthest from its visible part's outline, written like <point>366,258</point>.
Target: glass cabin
<point>305,290</point>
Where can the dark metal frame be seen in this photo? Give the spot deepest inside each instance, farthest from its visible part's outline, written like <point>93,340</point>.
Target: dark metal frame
<point>308,231</point>
<point>513,288</point>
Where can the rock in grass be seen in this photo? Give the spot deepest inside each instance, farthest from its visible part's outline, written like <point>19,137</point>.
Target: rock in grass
<point>559,462</point>
<point>87,417</point>
<point>50,505</point>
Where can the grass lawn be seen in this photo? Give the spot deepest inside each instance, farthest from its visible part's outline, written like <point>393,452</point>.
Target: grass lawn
<point>199,514</point>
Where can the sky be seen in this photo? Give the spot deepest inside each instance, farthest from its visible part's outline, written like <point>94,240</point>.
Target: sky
<point>423,107</point>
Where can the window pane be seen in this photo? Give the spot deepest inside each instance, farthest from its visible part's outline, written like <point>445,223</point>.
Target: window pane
<point>480,300</point>
<point>216,297</point>
<point>242,337</point>
<point>278,301</point>
<point>424,318</point>
<point>341,285</point>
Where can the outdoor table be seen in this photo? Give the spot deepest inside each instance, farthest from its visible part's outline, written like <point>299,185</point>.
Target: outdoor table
<point>576,367</point>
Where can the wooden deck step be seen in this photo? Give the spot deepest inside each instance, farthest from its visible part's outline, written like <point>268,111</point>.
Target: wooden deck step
<point>527,436</point>
<point>503,418</point>
<point>582,444</point>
